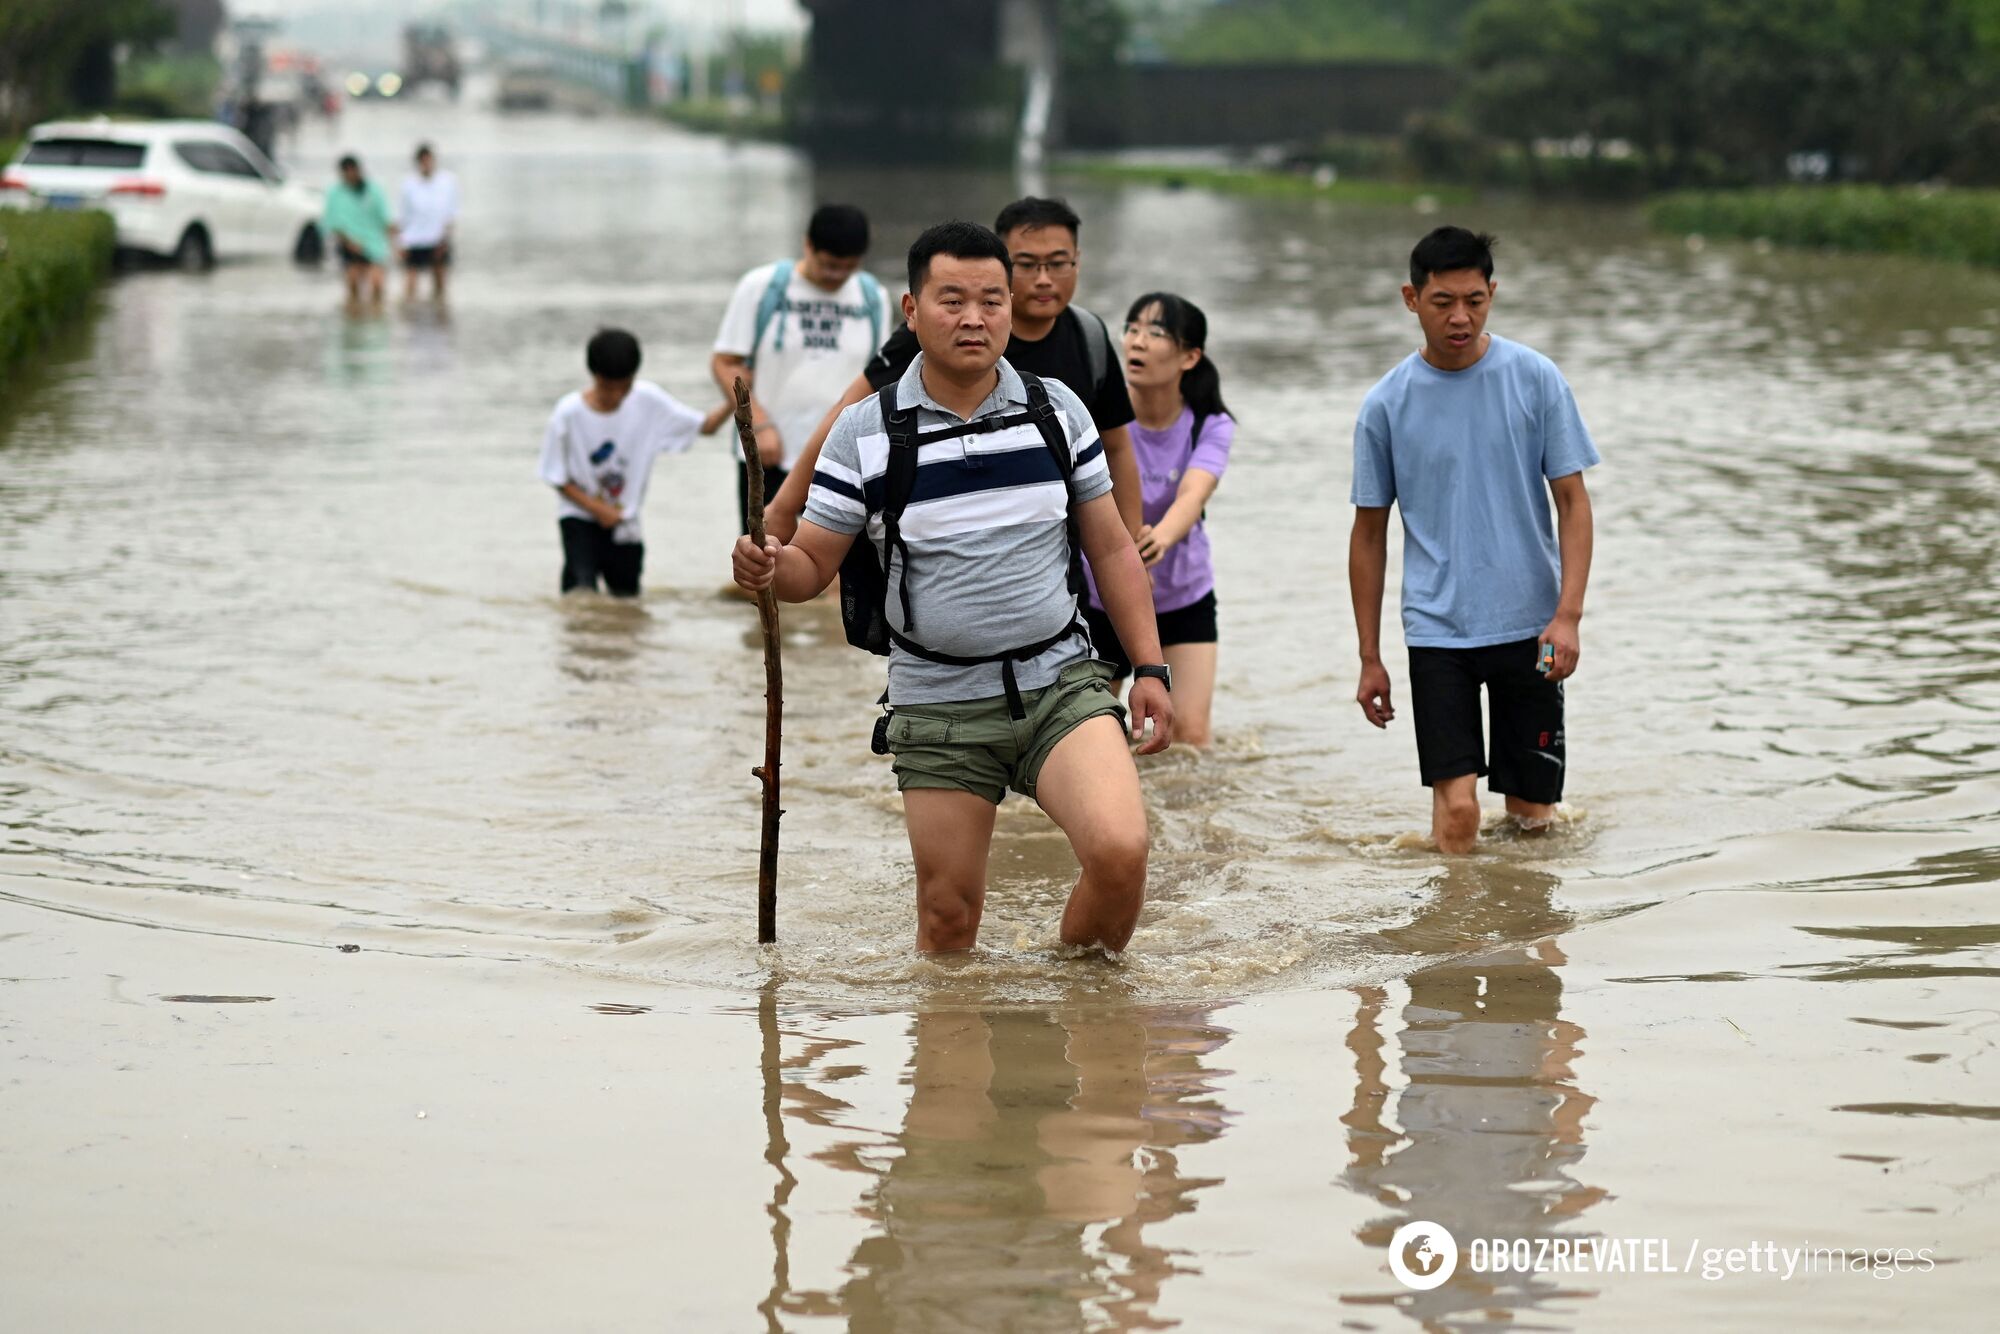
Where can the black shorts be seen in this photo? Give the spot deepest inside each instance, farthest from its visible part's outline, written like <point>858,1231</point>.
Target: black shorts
<point>427,257</point>
<point>773,479</point>
<point>1524,756</point>
<point>353,257</point>
<point>589,553</point>
<point>1192,624</point>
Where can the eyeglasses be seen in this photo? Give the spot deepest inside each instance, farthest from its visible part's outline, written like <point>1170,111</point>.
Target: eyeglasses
<point>1055,268</point>
<point>1152,333</point>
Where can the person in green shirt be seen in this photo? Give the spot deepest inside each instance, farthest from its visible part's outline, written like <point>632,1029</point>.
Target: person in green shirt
<point>358,223</point>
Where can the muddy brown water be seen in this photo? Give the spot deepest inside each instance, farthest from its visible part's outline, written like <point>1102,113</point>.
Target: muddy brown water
<point>282,662</point>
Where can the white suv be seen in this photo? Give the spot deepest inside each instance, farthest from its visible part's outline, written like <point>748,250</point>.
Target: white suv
<point>192,190</point>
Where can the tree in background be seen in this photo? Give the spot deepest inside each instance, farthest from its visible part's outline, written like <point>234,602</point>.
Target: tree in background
<point>60,53</point>
<point>1091,34</point>
<point>1253,31</point>
<point>1885,90</point>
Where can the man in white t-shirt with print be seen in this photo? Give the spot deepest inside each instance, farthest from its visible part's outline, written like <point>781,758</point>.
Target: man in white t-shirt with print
<point>427,207</point>
<point>598,454</point>
<point>798,331</point>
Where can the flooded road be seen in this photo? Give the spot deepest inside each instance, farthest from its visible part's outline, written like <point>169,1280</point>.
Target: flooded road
<point>283,670</point>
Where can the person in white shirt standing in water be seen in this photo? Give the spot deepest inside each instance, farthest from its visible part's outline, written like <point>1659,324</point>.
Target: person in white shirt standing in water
<point>798,331</point>
<point>428,206</point>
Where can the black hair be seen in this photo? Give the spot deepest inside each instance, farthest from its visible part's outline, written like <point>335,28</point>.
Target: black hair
<point>841,230</point>
<point>959,240</point>
<point>612,354</point>
<point>1034,212</point>
<point>348,161</point>
<point>1201,384</point>
<point>1448,249</point>
<point>423,151</point>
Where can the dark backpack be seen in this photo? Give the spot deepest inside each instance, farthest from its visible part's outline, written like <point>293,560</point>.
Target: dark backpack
<point>864,577</point>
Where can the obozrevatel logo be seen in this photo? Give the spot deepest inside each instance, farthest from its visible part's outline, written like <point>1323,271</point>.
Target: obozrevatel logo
<point>1422,1255</point>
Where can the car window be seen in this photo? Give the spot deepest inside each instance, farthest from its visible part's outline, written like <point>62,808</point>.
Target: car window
<point>197,155</point>
<point>215,159</point>
<point>106,153</point>
<point>234,163</point>
<point>265,167</point>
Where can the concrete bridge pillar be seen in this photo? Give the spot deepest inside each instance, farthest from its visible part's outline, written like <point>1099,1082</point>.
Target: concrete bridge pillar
<point>927,80</point>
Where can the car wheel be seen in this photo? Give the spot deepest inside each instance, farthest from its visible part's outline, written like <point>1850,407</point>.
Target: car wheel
<point>311,248</point>
<point>194,254</point>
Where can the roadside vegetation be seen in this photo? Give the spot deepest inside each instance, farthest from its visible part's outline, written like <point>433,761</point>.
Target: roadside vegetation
<point>50,265</point>
<point>1862,125</point>
<point>1960,225</point>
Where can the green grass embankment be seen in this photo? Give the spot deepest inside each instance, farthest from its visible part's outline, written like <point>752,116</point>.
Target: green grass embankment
<point>50,265</point>
<point>1961,225</point>
<point>1268,183</point>
<point>719,117</point>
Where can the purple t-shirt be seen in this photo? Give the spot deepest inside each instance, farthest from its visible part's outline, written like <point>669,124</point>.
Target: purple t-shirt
<point>1185,575</point>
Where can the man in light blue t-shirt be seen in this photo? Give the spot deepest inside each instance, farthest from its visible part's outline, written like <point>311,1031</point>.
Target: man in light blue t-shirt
<point>1470,436</point>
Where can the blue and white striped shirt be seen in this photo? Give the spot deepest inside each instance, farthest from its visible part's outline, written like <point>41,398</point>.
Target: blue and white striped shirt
<point>989,549</point>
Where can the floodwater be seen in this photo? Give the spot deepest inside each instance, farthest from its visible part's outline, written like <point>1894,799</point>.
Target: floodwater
<point>283,671</point>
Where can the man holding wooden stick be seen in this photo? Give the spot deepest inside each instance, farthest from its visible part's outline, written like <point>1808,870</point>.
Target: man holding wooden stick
<point>992,684</point>
<point>774,679</point>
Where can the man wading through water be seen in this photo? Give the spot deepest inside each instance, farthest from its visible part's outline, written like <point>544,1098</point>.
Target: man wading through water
<point>991,680</point>
<point>1470,436</point>
<point>1051,337</point>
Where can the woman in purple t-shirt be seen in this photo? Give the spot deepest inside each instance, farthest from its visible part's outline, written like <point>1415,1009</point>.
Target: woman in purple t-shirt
<point>1181,439</point>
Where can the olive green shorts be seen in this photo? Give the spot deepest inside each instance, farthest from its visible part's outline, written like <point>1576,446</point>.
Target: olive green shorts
<point>973,746</point>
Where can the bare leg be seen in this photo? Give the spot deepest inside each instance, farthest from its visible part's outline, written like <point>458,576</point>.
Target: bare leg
<point>376,281</point>
<point>1535,817</point>
<point>1090,788</point>
<point>1194,691</point>
<point>1455,813</point>
<point>353,274</point>
<point>410,276</point>
<point>950,834</point>
<point>437,279</point>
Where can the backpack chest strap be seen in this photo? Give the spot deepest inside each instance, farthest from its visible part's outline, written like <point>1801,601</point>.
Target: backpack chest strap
<point>1016,708</point>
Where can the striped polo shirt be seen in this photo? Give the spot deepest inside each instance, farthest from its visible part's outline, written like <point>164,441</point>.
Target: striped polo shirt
<point>989,549</point>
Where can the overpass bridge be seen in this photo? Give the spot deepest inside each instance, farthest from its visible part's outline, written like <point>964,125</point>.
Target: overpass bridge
<point>927,80</point>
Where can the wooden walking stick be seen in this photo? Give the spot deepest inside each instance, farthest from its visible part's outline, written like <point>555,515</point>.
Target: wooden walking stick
<point>774,684</point>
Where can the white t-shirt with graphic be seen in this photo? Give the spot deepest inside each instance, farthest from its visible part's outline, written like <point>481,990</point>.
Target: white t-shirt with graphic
<point>813,347</point>
<point>429,207</point>
<point>610,455</point>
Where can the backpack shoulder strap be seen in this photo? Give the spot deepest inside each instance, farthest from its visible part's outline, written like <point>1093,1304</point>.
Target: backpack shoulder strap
<point>877,302</point>
<point>900,424</point>
<point>899,479</point>
<point>1096,344</point>
<point>771,306</point>
<point>1042,409</point>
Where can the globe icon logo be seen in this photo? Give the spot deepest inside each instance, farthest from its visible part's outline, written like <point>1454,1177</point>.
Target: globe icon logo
<point>1422,1255</point>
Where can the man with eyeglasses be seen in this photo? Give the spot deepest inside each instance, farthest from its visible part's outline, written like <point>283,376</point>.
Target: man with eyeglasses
<point>1052,337</point>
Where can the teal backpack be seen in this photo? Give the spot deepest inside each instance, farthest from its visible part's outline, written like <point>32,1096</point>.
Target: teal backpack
<point>772,307</point>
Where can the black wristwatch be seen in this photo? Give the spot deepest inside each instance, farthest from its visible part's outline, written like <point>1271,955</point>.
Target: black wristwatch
<point>1159,672</point>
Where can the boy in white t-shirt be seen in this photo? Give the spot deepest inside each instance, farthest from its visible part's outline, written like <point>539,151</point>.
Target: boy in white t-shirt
<point>428,206</point>
<point>598,454</point>
<point>799,331</point>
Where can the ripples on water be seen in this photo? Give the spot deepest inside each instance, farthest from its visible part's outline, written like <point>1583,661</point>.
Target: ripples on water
<point>280,655</point>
